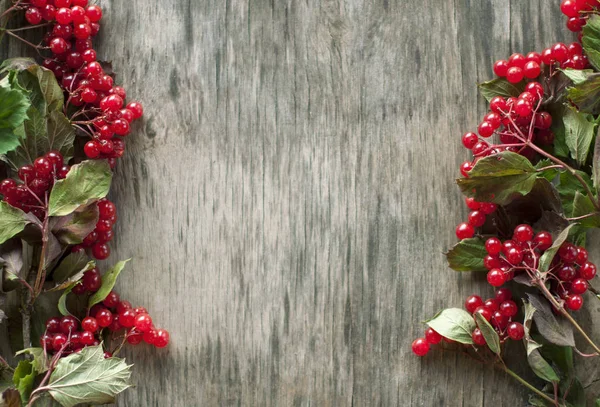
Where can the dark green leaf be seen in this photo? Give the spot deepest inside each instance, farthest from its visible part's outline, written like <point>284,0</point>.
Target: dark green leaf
<point>561,356</point>
<point>596,163</point>
<point>46,93</point>
<point>582,206</point>
<point>73,228</point>
<point>591,40</point>
<point>17,64</point>
<point>30,139</point>
<point>568,186</point>
<point>549,174</point>
<point>23,379</point>
<point>576,392</point>
<point>579,133</point>
<point>40,359</point>
<point>489,333</point>
<point>578,76</point>
<point>12,221</point>
<point>552,222</point>
<point>455,324</point>
<point>585,94</point>
<point>538,364</point>
<point>87,377</point>
<point>62,301</point>
<point>500,87</point>
<point>70,266</point>
<point>499,178</point>
<point>549,254</point>
<point>554,328</point>
<point>61,135</point>
<point>78,274</point>
<point>467,255</point>
<point>84,184</point>
<point>108,282</point>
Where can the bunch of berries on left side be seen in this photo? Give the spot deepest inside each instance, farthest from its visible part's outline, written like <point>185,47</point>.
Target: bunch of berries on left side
<point>499,311</point>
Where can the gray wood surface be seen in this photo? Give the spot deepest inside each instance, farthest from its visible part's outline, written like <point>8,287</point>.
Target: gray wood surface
<point>288,198</point>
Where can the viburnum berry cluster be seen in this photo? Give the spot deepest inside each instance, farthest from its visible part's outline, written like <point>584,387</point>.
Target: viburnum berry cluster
<point>63,125</point>
<point>532,188</point>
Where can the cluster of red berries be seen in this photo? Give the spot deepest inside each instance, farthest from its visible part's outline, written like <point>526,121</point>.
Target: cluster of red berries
<point>498,311</point>
<point>568,274</point>
<point>477,217</point>
<point>68,334</point>
<point>515,121</point>
<point>577,12</point>
<point>97,240</point>
<point>37,179</point>
<point>519,66</point>
<point>74,64</point>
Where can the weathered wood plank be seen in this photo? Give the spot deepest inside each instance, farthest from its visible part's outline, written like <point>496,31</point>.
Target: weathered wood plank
<point>289,195</point>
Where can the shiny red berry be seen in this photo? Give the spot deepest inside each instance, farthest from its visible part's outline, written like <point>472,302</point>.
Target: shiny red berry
<point>515,331</point>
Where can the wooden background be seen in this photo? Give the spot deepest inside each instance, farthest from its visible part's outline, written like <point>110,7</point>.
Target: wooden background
<point>290,194</point>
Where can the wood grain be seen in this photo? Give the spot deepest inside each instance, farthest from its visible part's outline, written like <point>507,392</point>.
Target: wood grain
<point>289,196</point>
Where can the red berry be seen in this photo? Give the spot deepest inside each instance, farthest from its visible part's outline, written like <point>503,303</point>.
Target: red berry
<point>485,312</point>
<point>82,31</point>
<point>104,317</point>
<point>127,318</point>
<point>492,262</point>
<point>509,308</point>
<point>515,331</point>
<point>123,306</point>
<point>542,241</point>
<point>472,204</point>
<point>107,209</point>
<point>499,320</point>
<point>566,272</point>
<point>68,324</point>
<point>560,52</point>
<point>514,256</point>
<point>478,338</point>
<point>78,289</point>
<point>94,13</point>
<point>63,15</point>
<point>56,158</point>
<point>477,219</point>
<point>582,256</point>
<point>493,246</point>
<point>574,302</point>
<point>523,233</point>
<point>59,341</point>
<point>469,140</point>
<point>472,303</point>
<point>120,127</point>
<point>91,280</point>
<point>135,337</point>
<point>136,108</point>
<point>532,70</point>
<point>492,304</point>
<point>58,46</point>
<point>101,251</point>
<point>464,231</point>
<point>89,324</point>
<point>149,336</point>
<point>485,129</point>
<point>569,8</point>
<point>162,339</point>
<point>432,336</point>
<point>92,149</point>
<point>568,252</point>
<point>523,107</point>
<point>87,338</point>
<point>33,15</point>
<point>488,207</point>
<point>48,12</point>
<point>579,286</point>
<point>536,89</point>
<point>111,300</point>
<point>143,322</point>
<point>503,295</point>
<point>588,270</point>
<point>480,148</point>
<point>53,325</point>
<point>496,277</point>
<point>465,168</point>
<point>500,68</point>
<point>514,74</point>
<point>534,56</point>
<point>498,105</point>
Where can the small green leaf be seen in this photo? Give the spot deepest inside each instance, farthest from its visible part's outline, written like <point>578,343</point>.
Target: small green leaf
<point>12,221</point>
<point>489,333</point>
<point>23,378</point>
<point>62,301</point>
<point>537,363</point>
<point>40,360</point>
<point>500,87</point>
<point>70,266</point>
<point>46,94</point>
<point>585,94</point>
<point>88,377</point>
<point>13,112</point>
<point>16,64</point>
<point>78,274</point>
<point>591,40</point>
<point>549,254</point>
<point>454,323</point>
<point>579,133</point>
<point>596,163</point>
<point>499,178</point>
<point>548,174</point>
<point>467,255</point>
<point>84,184</point>
<point>567,187</point>
<point>108,282</point>
<point>582,206</point>
<point>61,135</point>
<point>578,76</point>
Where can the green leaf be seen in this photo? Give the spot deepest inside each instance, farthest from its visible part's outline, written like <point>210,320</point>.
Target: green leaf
<point>84,184</point>
<point>108,282</point>
<point>46,94</point>
<point>70,266</point>
<point>585,94</point>
<point>62,301</point>
<point>582,206</point>
<point>454,323</point>
<point>579,133</point>
<point>596,163</point>
<point>561,356</point>
<point>61,135</point>
<point>500,87</point>
<point>467,255</point>
<point>499,178</point>
<point>591,40</point>
<point>12,221</point>
<point>489,333</point>
<point>537,363</point>
<point>549,254</point>
<point>554,328</point>
<point>578,76</point>
<point>13,112</point>
<point>549,174</point>
<point>87,377</point>
<point>40,360</point>
<point>74,278</point>
<point>17,64</point>
<point>23,378</point>
<point>11,264</point>
<point>567,187</point>
<point>73,228</point>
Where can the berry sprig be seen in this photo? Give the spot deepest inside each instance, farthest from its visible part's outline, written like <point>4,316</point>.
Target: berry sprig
<point>499,311</point>
<point>577,12</point>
